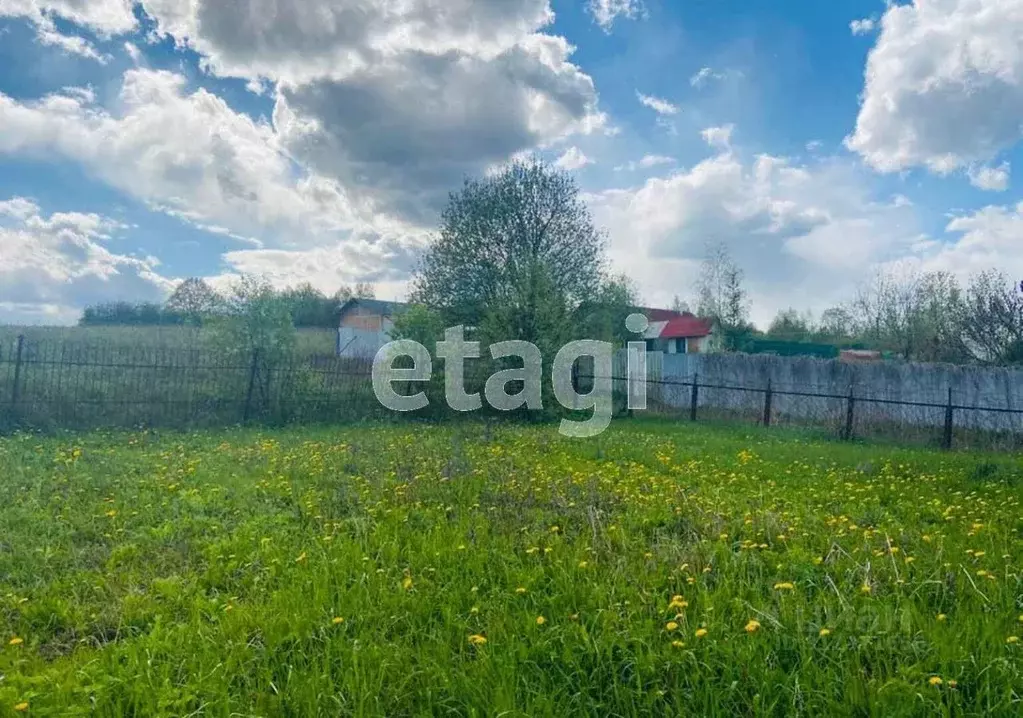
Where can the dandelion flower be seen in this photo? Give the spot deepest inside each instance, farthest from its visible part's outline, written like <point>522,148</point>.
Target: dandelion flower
<point>15,641</point>
<point>784,586</point>
<point>701,632</point>
<point>824,632</point>
<point>338,620</point>
<point>521,591</point>
<point>935,680</point>
<point>583,564</point>
<point>678,644</point>
<point>407,583</point>
<point>540,620</point>
<point>477,640</point>
<point>866,589</point>
<point>1012,639</point>
<point>21,707</point>
<point>671,626</point>
<point>941,617</point>
<point>753,626</point>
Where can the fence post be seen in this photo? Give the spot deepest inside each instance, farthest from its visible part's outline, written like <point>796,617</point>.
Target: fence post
<point>850,415</point>
<point>695,401</point>
<point>252,384</point>
<point>946,442</point>
<point>18,357</point>
<point>768,398</point>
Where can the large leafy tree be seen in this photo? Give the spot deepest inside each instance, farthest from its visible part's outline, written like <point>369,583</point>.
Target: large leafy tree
<point>517,253</point>
<point>991,324</point>
<point>195,301</point>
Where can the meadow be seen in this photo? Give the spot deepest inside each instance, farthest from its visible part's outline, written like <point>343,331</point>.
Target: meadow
<point>495,569</point>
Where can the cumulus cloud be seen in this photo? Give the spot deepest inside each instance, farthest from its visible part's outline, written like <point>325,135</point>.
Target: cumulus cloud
<point>104,18</point>
<point>943,86</point>
<point>605,12</point>
<point>53,265</point>
<point>986,239</point>
<point>993,179</point>
<point>184,152</point>
<point>658,105</point>
<point>573,159</point>
<point>798,230</point>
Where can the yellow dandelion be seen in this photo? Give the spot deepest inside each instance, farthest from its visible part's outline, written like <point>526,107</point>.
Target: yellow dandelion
<point>16,641</point>
<point>935,680</point>
<point>540,620</point>
<point>824,632</point>
<point>866,589</point>
<point>574,617</point>
<point>678,644</point>
<point>1012,639</point>
<point>337,621</point>
<point>520,590</point>
<point>941,617</point>
<point>671,626</point>
<point>21,707</point>
<point>477,640</point>
<point>784,586</point>
<point>583,564</point>
<point>407,583</point>
<point>701,632</point>
<point>753,626</point>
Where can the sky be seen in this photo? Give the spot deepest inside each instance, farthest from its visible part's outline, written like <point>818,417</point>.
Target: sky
<point>142,143</point>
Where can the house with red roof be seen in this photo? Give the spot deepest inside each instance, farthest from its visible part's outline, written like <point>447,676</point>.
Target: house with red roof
<point>672,332</point>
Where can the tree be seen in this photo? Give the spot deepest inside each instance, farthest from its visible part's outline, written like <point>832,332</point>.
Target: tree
<point>679,305</point>
<point>790,325</point>
<point>519,246</point>
<point>195,300</point>
<point>991,322</point>
<point>255,317</point>
<point>836,325</point>
<point>722,296</point>
<point>913,314</point>
<point>362,290</point>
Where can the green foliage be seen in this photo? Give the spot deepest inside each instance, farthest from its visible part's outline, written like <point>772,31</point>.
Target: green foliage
<point>129,314</point>
<point>195,301</point>
<point>358,571</point>
<point>255,318</point>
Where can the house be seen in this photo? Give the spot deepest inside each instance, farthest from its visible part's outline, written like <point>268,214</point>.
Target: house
<point>365,326</point>
<point>672,332</point>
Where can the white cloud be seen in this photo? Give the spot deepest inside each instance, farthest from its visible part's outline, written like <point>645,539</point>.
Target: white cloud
<point>719,137</point>
<point>806,231</point>
<point>573,159</point>
<point>705,75</point>
<point>105,18</point>
<point>993,179</point>
<point>944,85</point>
<point>185,153</point>
<point>52,266</point>
<point>605,12</point>
<point>646,162</point>
<point>987,239</point>
<point>862,27</point>
<point>661,107</point>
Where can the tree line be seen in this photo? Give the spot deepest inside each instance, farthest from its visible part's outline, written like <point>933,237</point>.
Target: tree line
<point>195,303</point>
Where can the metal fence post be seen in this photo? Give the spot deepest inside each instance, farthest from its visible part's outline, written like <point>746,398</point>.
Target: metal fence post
<point>850,415</point>
<point>946,442</point>
<point>695,401</point>
<point>252,384</point>
<point>18,357</point>
<point>768,397</point>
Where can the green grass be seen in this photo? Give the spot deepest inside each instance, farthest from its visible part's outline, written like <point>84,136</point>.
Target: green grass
<point>201,574</point>
<point>309,341</point>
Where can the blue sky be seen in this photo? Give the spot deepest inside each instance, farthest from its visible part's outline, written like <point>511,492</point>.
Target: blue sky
<point>143,143</point>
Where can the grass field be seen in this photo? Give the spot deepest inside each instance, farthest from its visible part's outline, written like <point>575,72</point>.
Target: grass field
<point>501,570</point>
<point>308,341</point>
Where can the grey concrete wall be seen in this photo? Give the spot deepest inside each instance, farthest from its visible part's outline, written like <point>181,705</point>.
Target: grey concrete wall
<point>926,383</point>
